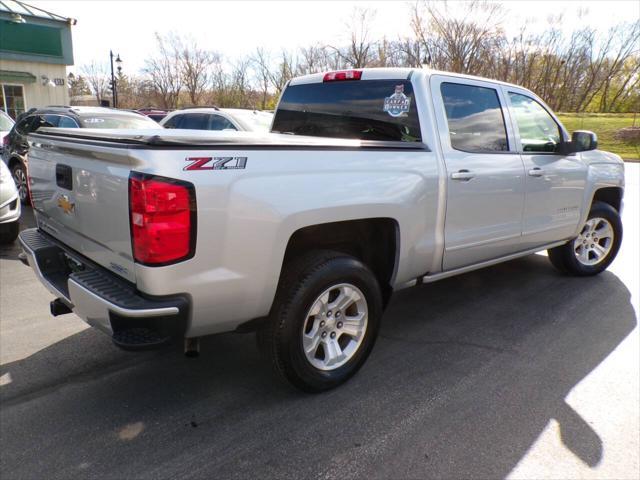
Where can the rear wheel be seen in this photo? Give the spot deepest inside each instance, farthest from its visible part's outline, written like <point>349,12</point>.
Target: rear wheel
<point>596,246</point>
<point>19,173</point>
<point>324,321</point>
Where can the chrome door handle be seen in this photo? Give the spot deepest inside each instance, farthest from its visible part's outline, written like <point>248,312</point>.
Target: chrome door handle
<point>463,175</point>
<point>536,172</point>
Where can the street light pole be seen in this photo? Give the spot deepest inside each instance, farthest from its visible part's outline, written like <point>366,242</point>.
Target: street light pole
<point>114,94</point>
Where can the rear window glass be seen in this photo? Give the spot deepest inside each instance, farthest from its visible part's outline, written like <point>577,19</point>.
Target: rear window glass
<point>361,109</point>
<point>115,121</point>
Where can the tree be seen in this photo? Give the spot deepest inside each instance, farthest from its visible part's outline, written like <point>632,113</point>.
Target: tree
<point>164,70</point>
<point>196,66</point>
<point>261,68</point>
<point>462,44</point>
<point>77,85</point>
<point>97,77</point>
<point>359,52</point>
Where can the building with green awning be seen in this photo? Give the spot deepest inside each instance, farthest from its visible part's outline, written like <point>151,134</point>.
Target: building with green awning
<point>35,50</point>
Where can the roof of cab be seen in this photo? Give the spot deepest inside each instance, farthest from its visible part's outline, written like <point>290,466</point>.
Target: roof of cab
<point>395,74</point>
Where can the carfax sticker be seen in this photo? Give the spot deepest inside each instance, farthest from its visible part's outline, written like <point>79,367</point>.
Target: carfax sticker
<point>398,103</point>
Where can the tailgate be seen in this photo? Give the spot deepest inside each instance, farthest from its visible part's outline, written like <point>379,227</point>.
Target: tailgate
<point>80,196</point>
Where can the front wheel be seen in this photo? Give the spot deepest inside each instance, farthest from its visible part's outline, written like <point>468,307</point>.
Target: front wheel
<point>19,173</point>
<point>597,245</point>
<point>324,321</point>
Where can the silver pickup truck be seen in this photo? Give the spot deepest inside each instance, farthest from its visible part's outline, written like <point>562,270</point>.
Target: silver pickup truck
<point>370,181</point>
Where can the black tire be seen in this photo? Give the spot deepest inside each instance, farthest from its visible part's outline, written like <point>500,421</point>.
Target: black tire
<point>9,232</point>
<point>564,257</point>
<point>19,172</point>
<point>302,282</point>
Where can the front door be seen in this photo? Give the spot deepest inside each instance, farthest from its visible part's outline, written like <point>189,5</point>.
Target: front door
<point>485,173</point>
<point>554,182</point>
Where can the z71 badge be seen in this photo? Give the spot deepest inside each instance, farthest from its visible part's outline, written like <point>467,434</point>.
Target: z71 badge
<point>216,163</point>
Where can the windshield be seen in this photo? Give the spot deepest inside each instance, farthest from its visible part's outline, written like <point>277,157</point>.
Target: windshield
<point>363,109</point>
<point>5,122</point>
<point>118,121</point>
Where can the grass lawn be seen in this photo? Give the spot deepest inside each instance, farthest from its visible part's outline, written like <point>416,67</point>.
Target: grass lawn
<point>605,125</point>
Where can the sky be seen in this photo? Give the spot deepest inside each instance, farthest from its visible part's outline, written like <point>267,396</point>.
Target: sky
<point>236,28</point>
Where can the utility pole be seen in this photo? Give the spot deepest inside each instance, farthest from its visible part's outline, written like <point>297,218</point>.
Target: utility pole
<point>114,88</point>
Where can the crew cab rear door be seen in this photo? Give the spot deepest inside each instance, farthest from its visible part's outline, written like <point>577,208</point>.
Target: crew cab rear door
<point>485,173</point>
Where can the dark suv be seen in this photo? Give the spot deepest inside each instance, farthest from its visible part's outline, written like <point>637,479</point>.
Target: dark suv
<point>16,147</point>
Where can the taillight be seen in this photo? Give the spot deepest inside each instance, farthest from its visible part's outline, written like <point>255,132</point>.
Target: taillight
<point>163,219</point>
<point>5,141</point>
<point>342,75</point>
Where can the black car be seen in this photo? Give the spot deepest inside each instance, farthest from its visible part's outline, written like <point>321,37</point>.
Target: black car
<point>16,146</point>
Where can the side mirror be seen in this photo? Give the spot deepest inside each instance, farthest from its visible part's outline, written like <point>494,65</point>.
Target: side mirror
<point>584,140</point>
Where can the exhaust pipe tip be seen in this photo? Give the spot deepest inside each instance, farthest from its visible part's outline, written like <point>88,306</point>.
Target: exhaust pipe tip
<point>59,307</point>
<point>192,347</point>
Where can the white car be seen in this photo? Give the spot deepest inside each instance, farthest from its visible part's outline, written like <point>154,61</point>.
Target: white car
<point>6,124</point>
<point>9,207</point>
<point>214,118</point>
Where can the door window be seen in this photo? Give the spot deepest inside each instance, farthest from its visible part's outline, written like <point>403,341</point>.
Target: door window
<point>539,132</point>
<point>475,118</point>
<point>193,121</point>
<point>172,122</point>
<point>50,120</point>
<point>217,122</point>
<point>67,122</point>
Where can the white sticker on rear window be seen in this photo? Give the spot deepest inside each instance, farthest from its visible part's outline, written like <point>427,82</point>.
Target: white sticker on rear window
<point>397,104</point>
<point>93,120</point>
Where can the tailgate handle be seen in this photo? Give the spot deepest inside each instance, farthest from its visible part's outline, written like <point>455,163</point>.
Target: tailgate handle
<point>64,178</point>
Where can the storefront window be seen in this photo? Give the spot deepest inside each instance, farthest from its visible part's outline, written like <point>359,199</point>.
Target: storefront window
<point>12,100</point>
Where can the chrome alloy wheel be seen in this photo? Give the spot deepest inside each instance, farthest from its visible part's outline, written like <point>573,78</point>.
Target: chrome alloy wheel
<point>335,326</point>
<point>21,183</point>
<point>594,242</point>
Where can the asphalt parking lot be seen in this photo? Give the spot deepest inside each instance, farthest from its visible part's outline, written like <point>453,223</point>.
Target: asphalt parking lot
<point>513,371</point>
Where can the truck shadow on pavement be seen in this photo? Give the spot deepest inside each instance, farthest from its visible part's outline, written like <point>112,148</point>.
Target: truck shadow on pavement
<point>465,376</point>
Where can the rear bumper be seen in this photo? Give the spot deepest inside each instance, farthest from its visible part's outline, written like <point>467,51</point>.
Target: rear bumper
<point>102,299</point>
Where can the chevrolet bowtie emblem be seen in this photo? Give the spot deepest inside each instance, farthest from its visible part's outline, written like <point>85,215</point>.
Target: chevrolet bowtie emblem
<point>66,205</point>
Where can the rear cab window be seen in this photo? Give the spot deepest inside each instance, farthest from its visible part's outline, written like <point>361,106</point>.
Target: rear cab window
<point>363,109</point>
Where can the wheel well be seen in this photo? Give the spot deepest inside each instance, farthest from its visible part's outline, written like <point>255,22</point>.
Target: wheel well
<point>13,161</point>
<point>609,195</point>
<point>374,241</point>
